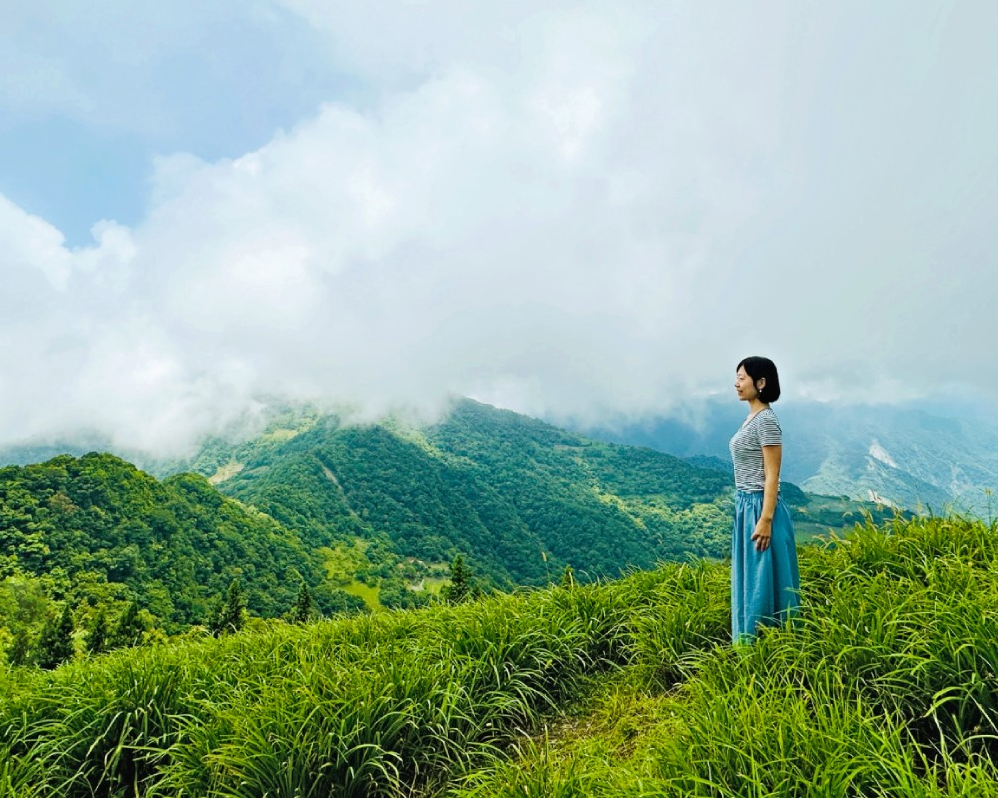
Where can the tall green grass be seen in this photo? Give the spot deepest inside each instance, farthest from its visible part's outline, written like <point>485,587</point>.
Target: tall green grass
<point>885,686</point>
<point>376,705</point>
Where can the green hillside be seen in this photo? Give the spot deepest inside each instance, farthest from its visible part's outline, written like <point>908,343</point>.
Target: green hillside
<point>885,686</point>
<point>96,533</point>
<point>364,515</point>
<point>519,498</point>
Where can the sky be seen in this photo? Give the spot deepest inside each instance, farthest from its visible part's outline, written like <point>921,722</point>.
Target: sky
<point>585,210</point>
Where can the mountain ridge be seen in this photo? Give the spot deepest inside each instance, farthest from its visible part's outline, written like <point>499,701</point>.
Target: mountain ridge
<point>359,513</point>
<point>650,505</point>
<point>903,456</point>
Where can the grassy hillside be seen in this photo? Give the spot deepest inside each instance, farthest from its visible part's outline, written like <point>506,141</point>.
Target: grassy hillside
<point>885,686</point>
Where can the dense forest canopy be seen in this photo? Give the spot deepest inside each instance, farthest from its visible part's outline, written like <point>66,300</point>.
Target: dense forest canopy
<point>97,534</point>
<point>517,496</point>
<point>520,498</point>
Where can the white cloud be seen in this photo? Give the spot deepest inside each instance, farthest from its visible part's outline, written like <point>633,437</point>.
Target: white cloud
<point>586,210</point>
<point>30,245</point>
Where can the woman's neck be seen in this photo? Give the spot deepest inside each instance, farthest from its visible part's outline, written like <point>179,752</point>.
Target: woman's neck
<point>755,406</point>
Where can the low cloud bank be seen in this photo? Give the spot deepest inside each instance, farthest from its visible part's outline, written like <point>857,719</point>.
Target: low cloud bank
<point>600,224</point>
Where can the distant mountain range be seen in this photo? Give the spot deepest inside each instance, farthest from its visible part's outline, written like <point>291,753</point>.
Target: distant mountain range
<point>519,498</point>
<point>942,456</point>
<point>371,513</point>
<point>922,459</point>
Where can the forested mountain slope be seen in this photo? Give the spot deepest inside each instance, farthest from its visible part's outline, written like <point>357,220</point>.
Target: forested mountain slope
<point>97,531</point>
<point>361,515</point>
<point>517,496</point>
<point>521,498</point>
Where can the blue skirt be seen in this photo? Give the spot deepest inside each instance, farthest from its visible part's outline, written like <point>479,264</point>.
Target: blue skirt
<point>765,585</point>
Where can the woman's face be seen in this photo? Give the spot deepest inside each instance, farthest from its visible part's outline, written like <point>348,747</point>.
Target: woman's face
<point>744,386</point>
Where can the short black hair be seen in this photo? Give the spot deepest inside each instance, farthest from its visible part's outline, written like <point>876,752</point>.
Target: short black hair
<point>762,368</point>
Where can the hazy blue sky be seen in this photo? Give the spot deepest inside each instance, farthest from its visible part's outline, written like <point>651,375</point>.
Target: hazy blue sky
<point>569,208</point>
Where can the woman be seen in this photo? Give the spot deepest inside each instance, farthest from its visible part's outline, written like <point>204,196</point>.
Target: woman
<point>765,584</point>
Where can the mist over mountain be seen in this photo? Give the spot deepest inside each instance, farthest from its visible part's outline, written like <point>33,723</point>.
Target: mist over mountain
<point>932,457</point>
<point>253,255</point>
<point>572,209</point>
<point>357,514</point>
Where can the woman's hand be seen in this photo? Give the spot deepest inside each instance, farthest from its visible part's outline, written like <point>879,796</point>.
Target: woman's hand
<point>763,532</point>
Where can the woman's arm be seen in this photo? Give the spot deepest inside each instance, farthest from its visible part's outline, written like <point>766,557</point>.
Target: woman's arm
<point>772,458</point>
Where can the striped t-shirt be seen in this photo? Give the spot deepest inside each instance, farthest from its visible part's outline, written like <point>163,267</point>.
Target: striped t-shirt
<point>762,429</point>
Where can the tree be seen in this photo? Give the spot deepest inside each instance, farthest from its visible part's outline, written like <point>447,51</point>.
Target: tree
<point>397,595</point>
<point>301,612</point>
<point>20,648</point>
<point>459,588</point>
<point>130,628</point>
<point>55,643</point>
<point>230,615</point>
<point>99,634</point>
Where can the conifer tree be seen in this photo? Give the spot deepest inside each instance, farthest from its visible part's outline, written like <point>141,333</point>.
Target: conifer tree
<point>99,634</point>
<point>129,629</point>
<point>229,616</point>
<point>302,610</point>
<point>459,588</point>
<point>235,607</point>
<point>55,643</point>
